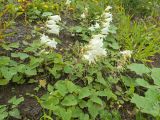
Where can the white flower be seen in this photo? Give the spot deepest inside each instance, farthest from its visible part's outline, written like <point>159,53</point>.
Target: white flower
<point>105,31</point>
<point>47,41</point>
<point>94,27</point>
<point>54,29</point>
<point>108,8</point>
<point>52,24</point>
<point>83,15</point>
<point>52,43</point>
<point>55,18</point>
<point>107,15</point>
<point>44,38</point>
<point>68,2</point>
<point>95,49</point>
<point>126,53</point>
<point>89,57</point>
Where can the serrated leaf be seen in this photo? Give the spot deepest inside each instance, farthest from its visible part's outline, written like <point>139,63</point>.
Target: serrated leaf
<point>4,61</point>
<point>22,56</point>
<point>61,87</point>
<point>15,113</point>
<point>108,93</point>
<point>3,82</point>
<point>156,76</point>
<point>8,73</point>
<point>97,100</point>
<point>71,87</point>
<point>67,69</point>
<point>16,101</point>
<point>142,82</point>
<point>138,68</point>
<point>84,92</point>
<point>69,100</point>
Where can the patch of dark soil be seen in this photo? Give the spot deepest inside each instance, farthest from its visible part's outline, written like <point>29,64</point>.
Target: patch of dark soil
<point>29,109</point>
<point>127,112</point>
<point>156,61</point>
<point>18,32</point>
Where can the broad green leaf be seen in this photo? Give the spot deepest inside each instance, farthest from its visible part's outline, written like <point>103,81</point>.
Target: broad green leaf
<point>96,99</point>
<point>138,68</point>
<point>4,61</point>
<point>108,93</point>
<point>66,115</point>
<point>144,83</point>
<point>93,109</point>
<point>71,87</point>
<point>3,82</point>
<point>156,76</point>
<point>15,113</point>
<point>22,56</point>
<point>128,81</point>
<point>68,69</point>
<point>46,14</point>
<point>84,92</point>
<point>69,100</point>
<point>8,73</point>
<point>16,101</point>
<point>149,103</point>
<point>30,72</point>
<point>50,102</point>
<point>61,87</point>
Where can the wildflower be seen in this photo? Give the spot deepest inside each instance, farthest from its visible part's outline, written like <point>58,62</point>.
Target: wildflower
<point>126,53</point>
<point>68,2</point>
<point>47,41</point>
<point>95,49</point>
<point>52,24</point>
<point>55,18</point>
<point>83,15</point>
<point>107,20</point>
<point>108,8</point>
<point>94,27</point>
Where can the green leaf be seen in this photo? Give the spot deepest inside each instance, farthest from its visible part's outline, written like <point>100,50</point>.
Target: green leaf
<point>16,101</point>
<point>138,68</point>
<point>96,99</point>
<point>3,82</point>
<point>69,100</point>
<point>68,69</point>
<point>66,115</point>
<point>4,61</point>
<point>30,72</point>
<point>156,76</point>
<point>46,14</point>
<point>93,109</point>
<point>108,93</point>
<point>144,83</point>
<point>149,103</point>
<point>3,112</point>
<point>15,113</point>
<point>8,73</point>
<point>22,56</point>
<point>100,79</point>
<point>61,87</point>
<point>71,87</point>
<point>84,92</point>
<point>128,81</point>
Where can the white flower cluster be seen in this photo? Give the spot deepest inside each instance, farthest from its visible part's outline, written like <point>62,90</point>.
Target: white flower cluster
<point>95,47</point>
<point>126,53</point>
<point>52,24</point>
<point>47,41</point>
<point>68,2</point>
<point>54,28</point>
<point>107,20</point>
